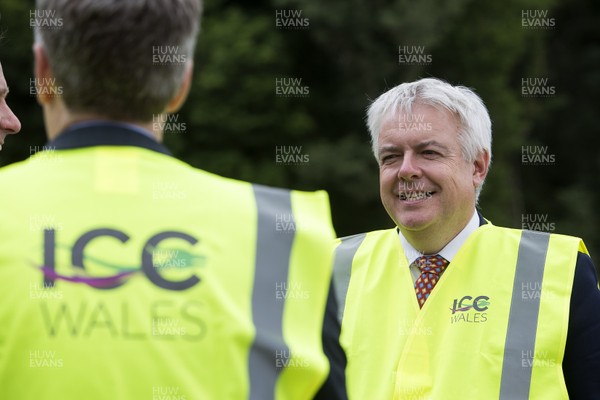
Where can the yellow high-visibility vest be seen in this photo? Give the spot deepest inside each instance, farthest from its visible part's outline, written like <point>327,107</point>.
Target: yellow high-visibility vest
<point>127,274</point>
<point>494,327</point>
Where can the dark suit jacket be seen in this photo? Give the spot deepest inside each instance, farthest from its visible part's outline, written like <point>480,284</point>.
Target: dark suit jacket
<point>581,363</point>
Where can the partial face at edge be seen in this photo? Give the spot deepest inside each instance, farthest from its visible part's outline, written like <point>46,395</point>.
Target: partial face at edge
<point>9,123</point>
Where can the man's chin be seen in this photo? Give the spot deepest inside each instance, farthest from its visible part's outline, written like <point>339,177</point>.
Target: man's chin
<point>414,223</point>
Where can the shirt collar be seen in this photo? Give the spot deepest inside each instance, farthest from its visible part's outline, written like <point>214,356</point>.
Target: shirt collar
<point>450,250</point>
<point>106,133</point>
<point>99,122</point>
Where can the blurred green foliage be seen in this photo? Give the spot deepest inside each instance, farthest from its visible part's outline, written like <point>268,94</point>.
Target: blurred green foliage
<point>347,54</point>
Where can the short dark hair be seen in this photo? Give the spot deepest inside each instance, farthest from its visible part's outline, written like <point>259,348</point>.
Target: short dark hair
<point>109,55</point>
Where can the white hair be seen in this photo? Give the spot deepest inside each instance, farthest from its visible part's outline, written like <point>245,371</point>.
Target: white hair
<point>475,132</point>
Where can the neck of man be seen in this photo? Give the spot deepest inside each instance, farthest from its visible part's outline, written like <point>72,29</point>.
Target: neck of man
<point>57,118</point>
<point>434,238</point>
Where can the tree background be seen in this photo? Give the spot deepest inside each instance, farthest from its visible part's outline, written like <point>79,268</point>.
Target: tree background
<point>346,52</point>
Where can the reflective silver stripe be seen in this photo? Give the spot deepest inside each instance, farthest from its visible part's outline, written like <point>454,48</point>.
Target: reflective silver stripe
<point>522,320</point>
<point>342,267</point>
<point>273,247</point>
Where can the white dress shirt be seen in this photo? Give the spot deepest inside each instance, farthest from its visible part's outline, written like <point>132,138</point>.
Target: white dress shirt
<point>448,252</point>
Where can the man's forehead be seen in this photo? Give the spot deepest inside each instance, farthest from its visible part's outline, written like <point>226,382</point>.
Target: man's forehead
<point>423,124</point>
<point>421,117</point>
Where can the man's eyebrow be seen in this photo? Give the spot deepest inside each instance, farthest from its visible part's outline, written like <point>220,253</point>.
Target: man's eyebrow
<point>389,147</point>
<point>418,146</point>
<point>429,143</point>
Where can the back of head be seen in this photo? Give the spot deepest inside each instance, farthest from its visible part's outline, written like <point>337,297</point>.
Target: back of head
<point>106,53</point>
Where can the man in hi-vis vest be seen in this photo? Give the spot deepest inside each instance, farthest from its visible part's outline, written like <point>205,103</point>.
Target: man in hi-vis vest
<point>447,306</point>
<point>127,274</point>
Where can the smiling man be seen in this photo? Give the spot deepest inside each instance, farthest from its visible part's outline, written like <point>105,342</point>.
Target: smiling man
<point>9,123</point>
<point>427,186</point>
<point>447,305</point>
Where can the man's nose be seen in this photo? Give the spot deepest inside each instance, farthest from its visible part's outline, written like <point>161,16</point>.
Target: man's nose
<point>409,168</point>
<point>9,123</point>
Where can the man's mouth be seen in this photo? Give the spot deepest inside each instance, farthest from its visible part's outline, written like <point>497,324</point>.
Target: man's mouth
<point>414,196</point>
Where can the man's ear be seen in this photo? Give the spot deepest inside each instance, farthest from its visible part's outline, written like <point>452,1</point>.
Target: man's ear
<point>181,95</point>
<point>44,81</point>
<point>481,166</point>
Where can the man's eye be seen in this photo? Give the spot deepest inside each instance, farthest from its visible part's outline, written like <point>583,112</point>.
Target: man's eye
<point>389,158</point>
<point>430,153</point>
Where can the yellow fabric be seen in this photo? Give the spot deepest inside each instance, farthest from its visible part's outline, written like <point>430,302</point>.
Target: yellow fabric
<point>139,340</point>
<point>397,351</point>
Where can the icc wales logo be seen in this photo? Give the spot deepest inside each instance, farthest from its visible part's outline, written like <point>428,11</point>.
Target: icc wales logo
<point>469,309</point>
<point>94,259</point>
